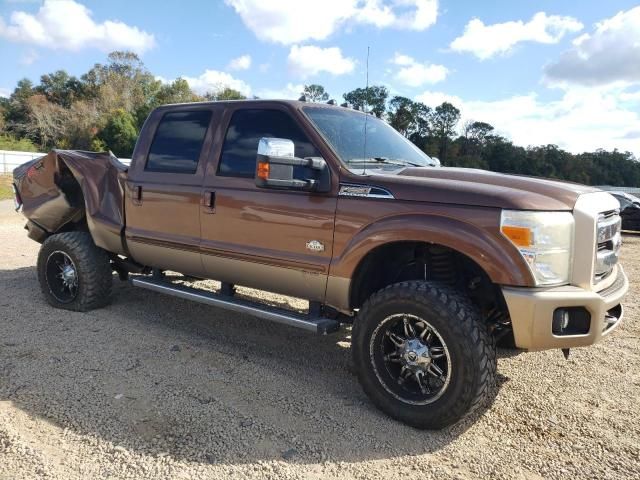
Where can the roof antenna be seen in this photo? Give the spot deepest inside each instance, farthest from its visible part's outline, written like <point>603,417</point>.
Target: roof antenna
<point>366,117</point>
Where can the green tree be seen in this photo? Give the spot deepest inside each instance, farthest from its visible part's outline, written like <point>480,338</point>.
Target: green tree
<point>120,133</point>
<point>400,115</point>
<point>17,109</point>
<point>7,142</point>
<point>474,136</point>
<point>122,83</point>
<point>226,93</point>
<point>411,119</point>
<point>315,93</point>
<point>374,98</point>
<point>478,131</point>
<point>177,91</point>
<point>60,88</point>
<point>444,120</point>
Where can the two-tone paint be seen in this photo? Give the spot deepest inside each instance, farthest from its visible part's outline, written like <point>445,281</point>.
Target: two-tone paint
<point>228,229</point>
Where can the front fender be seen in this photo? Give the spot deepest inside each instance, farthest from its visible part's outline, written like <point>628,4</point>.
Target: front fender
<point>481,241</point>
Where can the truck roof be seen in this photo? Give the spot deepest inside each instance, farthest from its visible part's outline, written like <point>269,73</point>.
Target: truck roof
<point>292,103</point>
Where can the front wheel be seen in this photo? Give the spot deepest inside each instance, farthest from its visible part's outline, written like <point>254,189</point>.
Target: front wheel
<point>423,355</point>
<point>74,273</point>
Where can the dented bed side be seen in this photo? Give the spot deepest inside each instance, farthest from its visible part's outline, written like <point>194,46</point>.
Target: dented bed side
<point>65,188</point>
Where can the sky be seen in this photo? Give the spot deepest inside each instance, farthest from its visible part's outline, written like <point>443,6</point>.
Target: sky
<point>560,72</point>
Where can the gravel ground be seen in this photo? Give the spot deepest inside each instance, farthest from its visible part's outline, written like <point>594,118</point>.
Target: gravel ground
<point>157,387</point>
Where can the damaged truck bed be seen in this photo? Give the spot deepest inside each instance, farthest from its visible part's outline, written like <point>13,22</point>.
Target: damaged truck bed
<point>69,190</point>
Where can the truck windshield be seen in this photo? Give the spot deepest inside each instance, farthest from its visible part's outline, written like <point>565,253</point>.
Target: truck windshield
<point>385,148</point>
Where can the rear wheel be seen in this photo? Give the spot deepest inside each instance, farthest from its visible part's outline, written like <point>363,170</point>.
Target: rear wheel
<point>422,354</point>
<point>74,273</point>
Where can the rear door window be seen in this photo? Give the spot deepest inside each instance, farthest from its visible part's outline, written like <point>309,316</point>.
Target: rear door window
<point>177,143</point>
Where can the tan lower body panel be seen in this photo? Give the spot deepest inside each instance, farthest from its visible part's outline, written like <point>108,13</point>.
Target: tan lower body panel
<point>282,280</point>
<point>183,261</point>
<point>531,311</point>
<point>338,294</point>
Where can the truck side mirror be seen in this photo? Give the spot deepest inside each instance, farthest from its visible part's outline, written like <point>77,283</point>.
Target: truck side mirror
<point>277,167</point>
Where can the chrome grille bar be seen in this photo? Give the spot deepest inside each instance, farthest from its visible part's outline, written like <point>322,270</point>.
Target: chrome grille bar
<point>608,245</point>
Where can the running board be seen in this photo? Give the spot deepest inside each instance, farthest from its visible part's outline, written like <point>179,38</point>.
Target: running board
<point>316,324</point>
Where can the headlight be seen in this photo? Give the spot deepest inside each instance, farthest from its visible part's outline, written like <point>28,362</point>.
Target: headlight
<point>545,240</point>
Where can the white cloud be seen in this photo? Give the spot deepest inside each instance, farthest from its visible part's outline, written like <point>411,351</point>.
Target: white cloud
<point>415,74</point>
<point>67,25</point>
<point>630,96</point>
<point>293,21</point>
<point>610,54</point>
<point>433,99</point>
<point>243,62</point>
<point>402,14</point>
<point>486,41</point>
<point>424,16</point>
<point>581,120</point>
<point>5,92</point>
<point>290,91</point>
<point>307,61</point>
<point>214,81</point>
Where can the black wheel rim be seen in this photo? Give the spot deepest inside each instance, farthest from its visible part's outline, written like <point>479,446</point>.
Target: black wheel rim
<point>410,359</point>
<point>62,277</point>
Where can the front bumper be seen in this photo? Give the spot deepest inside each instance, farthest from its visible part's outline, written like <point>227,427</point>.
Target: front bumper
<point>531,311</point>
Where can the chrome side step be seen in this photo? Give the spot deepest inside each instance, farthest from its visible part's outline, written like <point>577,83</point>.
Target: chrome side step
<point>316,324</point>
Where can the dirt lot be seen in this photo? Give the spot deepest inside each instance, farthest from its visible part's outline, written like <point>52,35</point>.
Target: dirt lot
<point>156,387</point>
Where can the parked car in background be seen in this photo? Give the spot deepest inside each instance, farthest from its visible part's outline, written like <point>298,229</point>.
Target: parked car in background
<point>629,210</point>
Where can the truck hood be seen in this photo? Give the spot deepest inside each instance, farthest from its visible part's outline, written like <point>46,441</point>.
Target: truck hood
<point>467,186</point>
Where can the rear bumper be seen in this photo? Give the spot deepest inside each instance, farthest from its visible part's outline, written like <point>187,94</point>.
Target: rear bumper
<point>531,311</point>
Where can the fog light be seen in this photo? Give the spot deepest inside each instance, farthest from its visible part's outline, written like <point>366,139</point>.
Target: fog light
<point>560,321</point>
<point>571,321</point>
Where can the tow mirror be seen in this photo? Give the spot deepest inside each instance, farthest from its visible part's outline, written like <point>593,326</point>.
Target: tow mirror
<point>278,167</point>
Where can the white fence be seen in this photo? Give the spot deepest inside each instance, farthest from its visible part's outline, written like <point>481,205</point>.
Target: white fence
<point>10,160</point>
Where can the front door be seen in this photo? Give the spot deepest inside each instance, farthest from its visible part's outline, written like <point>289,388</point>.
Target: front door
<point>274,240</point>
<point>164,191</point>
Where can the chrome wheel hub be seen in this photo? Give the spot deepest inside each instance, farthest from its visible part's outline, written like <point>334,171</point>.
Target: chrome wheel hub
<point>68,276</point>
<point>62,276</point>
<point>416,355</point>
<point>410,359</point>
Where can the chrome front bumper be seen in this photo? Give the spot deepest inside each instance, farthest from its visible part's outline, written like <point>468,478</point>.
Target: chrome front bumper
<point>532,309</point>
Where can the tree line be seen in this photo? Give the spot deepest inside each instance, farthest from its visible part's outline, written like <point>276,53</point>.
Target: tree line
<point>105,108</point>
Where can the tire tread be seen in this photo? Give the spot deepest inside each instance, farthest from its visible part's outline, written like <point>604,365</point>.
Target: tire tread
<point>92,263</point>
<point>466,322</point>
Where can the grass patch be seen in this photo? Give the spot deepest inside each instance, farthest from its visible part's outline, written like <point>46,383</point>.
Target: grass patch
<point>5,186</point>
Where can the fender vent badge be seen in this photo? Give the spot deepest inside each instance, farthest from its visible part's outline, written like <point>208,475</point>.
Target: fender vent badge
<point>315,246</point>
<point>354,190</point>
<point>366,191</point>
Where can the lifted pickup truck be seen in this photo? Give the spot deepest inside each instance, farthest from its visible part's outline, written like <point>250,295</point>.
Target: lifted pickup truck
<point>432,266</point>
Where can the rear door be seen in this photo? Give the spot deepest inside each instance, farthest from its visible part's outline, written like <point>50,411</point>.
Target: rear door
<point>163,196</point>
<point>275,240</point>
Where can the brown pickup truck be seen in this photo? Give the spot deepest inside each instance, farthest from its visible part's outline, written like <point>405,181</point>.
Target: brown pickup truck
<point>432,266</point>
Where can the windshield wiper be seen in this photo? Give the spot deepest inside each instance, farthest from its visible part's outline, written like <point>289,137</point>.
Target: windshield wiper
<point>386,161</point>
<point>396,161</point>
